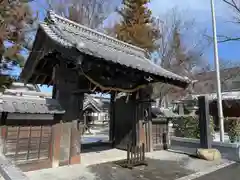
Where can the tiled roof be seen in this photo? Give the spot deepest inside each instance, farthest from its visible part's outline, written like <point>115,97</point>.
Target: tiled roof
<point>98,104</point>
<point>90,101</point>
<point>32,105</point>
<point>72,35</point>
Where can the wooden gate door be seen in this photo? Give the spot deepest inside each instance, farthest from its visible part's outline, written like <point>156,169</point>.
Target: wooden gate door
<point>28,145</point>
<point>160,133</point>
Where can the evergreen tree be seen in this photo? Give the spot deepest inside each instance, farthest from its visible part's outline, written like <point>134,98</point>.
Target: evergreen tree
<point>15,17</point>
<point>177,48</point>
<point>136,26</point>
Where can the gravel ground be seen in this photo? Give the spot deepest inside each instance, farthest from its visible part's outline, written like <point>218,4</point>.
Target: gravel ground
<point>162,165</point>
<point>156,169</point>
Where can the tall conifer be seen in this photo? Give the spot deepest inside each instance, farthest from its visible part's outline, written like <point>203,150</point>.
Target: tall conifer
<point>136,26</point>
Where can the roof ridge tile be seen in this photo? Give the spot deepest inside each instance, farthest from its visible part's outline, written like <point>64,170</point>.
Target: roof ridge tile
<point>135,50</point>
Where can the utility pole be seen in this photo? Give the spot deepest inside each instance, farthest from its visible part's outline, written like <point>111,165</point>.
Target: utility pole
<point>216,60</point>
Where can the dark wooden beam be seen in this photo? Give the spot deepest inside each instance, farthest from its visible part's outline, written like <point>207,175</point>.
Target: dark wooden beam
<point>112,119</point>
<point>46,71</point>
<point>44,63</point>
<point>112,74</point>
<point>80,91</point>
<point>44,78</point>
<point>50,82</point>
<point>34,79</point>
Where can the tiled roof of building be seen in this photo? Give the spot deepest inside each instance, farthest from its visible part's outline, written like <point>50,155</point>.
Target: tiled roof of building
<point>97,103</point>
<point>32,105</point>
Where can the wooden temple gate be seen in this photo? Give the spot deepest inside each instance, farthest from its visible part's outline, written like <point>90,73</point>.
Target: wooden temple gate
<point>77,60</point>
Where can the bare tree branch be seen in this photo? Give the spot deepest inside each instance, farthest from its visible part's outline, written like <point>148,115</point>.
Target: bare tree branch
<point>235,6</point>
<point>227,39</point>
<point>90,13</point>
<point>177,53</point>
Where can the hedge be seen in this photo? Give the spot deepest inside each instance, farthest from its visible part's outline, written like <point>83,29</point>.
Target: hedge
<point>187,126</point>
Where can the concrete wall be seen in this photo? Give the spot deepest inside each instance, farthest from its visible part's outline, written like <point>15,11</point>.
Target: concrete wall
<point>189,146</point>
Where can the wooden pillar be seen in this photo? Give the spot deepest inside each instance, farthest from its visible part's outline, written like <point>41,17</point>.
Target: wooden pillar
<point>125,122</point>
<point>204,122</point>
<point>141,132</point>
<point>3,138</point>
<point>150,136</point>
<point>75,145</point>
<point>144,119</point>
<point>112,120</point>
<point>3,131</point>
<point>65,143</point>
<point>135,122</point>
<point>55,145</point>
<point>67,84</point>
<point>145,126</point>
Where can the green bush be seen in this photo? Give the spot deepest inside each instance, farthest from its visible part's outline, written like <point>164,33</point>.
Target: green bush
<point>187,126</point>
<point>233,129</point>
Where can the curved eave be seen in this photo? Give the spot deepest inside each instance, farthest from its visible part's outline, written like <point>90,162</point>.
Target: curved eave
<point>91,47</point>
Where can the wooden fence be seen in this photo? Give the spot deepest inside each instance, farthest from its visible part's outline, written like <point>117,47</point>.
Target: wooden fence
<point>26,144</point>
<point>135,156</point>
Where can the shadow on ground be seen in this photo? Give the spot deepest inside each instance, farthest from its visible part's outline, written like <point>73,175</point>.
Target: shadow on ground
<point>156,170</point>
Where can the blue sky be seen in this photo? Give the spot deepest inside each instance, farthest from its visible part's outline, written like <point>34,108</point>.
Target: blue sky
<point>201,12</point>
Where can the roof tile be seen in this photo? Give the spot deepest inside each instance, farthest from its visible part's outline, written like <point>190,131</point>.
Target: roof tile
<point>15,104</point>
<point>88,41</point>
